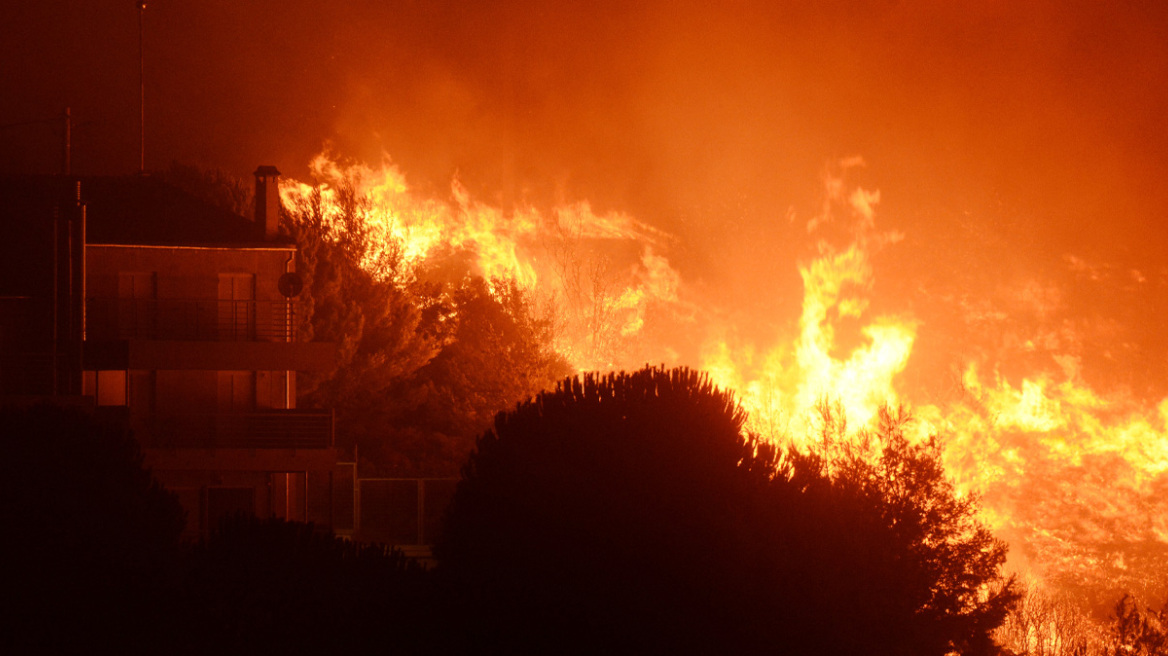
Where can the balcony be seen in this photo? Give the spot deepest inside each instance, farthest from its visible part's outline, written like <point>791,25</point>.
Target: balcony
<point>268,429</point>
<point>204,320</point>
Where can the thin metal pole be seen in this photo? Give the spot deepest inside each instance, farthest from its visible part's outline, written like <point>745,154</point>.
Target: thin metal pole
<point>56,300</point>
<point>141,91</point>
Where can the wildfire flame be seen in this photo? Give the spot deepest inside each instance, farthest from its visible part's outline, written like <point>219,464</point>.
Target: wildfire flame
<point>601,272</point>
<point>1074,478</point>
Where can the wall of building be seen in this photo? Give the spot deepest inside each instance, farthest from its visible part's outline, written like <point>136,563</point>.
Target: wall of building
<point>157,273</point>
<point>185,272</point>
<point>191,392</point>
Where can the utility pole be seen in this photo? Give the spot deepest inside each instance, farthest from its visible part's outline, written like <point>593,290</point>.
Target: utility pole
<point>141,92</point>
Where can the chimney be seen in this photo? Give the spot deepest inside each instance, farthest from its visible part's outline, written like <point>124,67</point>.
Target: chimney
<point>267,200</point>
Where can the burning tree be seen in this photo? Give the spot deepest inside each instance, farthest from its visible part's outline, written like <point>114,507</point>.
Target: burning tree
<point>1138,631</point>
<point>632,512</point>
<point>427,351</point>
<point>1050,624</point>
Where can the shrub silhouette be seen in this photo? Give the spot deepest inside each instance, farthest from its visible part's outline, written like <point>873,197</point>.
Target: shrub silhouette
<point>629,513</point>
<point>892,560</point>
<point>258,586</point>
<point>593,517</point>
<point>91,537</point>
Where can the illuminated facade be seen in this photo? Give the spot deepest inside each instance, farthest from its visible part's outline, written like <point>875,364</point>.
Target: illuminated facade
<point>166,313</point>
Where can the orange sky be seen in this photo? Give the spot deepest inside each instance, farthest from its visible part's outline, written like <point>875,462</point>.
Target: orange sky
<point>1020,149</point>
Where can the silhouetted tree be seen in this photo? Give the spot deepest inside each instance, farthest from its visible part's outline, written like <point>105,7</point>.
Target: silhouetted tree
<point>214,186</point>
<point>498,354</point>
<point>594,518</point>
<point>629,513</point>
<point>891,536</point>
<point>90,537</point>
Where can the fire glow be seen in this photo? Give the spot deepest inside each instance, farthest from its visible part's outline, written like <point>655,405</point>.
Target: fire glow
<point>1074,478</point>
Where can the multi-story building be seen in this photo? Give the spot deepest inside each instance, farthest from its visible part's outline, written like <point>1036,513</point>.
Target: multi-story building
<point>179,319</point>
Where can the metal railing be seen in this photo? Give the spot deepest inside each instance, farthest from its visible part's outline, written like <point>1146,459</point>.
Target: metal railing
<point>191,320</point>
<point>402,511</point>
<point>267,429</point>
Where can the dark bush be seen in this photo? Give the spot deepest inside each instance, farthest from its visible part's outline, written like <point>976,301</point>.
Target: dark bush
<point>269,586</point>
<point>629,513</point>
<point>607,515</point>
<point>91,539</point>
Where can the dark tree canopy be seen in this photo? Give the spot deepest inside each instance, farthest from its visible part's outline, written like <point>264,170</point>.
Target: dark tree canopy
<point>594,515</point>
<point>892,536</point>
<point>90,536</point>
<point>631,513</point>
<point>497,354</point>
<point>269,586</point>
<point>213,186</point>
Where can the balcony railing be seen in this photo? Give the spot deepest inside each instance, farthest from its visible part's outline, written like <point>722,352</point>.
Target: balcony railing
<point>191,320</point>
<point>269,429</point>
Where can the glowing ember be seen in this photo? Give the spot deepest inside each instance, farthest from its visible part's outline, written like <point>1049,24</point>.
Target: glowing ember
<point>1074,478</point>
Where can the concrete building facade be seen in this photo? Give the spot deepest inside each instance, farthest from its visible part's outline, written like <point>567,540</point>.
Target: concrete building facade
<point>181,321</point>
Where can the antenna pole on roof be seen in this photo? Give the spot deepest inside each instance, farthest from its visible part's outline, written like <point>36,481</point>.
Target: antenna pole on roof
<point>141,93</point>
